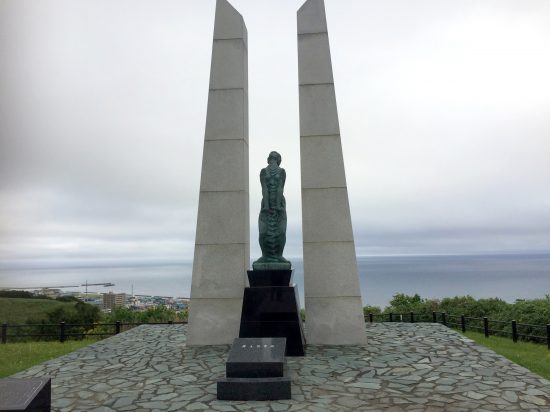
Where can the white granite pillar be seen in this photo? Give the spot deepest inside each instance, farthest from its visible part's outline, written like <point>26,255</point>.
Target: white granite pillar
<point>222,243</point>
<point>334,313</point>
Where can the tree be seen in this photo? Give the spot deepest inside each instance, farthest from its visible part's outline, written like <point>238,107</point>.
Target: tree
<point>375,310</point>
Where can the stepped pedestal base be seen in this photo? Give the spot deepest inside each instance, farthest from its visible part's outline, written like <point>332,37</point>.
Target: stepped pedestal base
<point>270,329</point>
<point>254,389</point>
<point>271,308</point>
<point>255,371</point>
<point>256,358</point>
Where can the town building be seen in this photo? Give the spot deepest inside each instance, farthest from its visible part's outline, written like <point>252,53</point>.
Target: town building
<point>113,300</point>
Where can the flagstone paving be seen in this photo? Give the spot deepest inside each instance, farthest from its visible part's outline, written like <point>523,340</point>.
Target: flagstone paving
<point>404,367</point>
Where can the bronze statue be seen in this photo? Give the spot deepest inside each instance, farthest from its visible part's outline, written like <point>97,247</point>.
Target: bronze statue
<point>272,219</point>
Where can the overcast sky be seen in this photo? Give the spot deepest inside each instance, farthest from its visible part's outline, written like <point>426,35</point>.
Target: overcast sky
<point>444,110</point>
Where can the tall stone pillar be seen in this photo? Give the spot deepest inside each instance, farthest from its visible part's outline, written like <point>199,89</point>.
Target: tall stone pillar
<point>222,243</point>
<point>334,313</point>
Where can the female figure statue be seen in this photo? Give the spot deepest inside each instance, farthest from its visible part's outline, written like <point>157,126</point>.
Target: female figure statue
<point>272,219</point>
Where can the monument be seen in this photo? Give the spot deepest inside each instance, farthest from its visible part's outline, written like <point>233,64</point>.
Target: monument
<point>222,242</point>
<point>271,307</point>
<point>334,313</point>
<point>271,327</point>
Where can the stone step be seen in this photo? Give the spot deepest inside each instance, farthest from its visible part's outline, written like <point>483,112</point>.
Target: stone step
<point>256,358</point>
<point>29,394</point>
<point>254,389</point>
<point>290,330</point>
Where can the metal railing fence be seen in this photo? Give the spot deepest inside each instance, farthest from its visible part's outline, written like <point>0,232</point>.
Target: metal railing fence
<point>509,328</point>
<point>63,331</point>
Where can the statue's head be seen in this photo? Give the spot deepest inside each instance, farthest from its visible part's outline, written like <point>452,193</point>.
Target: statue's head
<point>276,156</point>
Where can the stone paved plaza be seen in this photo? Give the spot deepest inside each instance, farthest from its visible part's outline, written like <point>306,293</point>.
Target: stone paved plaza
<point>404,367</point>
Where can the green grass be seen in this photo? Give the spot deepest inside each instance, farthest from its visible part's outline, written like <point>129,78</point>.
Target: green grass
<point>533,356</point>
<point>15,357</point>
<point>18,310</point>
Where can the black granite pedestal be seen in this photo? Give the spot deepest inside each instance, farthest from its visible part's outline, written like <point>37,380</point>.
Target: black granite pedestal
<point>255,371</point>
<point>33,394</point>
<point>271,308</point>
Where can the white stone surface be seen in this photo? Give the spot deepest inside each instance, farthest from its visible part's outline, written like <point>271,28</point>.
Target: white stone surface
<point>214,321</point>
<point>318,113</point>
<point>229,59</point>
<point>222,219</point>
<point>335,321</point>
<point>334,314</point>
<point>314,66</point>
<point>226,114</point>
<point>312,17</point>
<point>223,165</point>
<point>326,215</point>
<point>322,162</point>
<point>208,259</point>
<point>331,269</point>
<point>229,22</point>
<point>246,111</point>
<point>222,249</point>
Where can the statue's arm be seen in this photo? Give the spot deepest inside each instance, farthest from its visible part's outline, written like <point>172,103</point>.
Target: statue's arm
<point>265,197</point>
<point>281,189</point>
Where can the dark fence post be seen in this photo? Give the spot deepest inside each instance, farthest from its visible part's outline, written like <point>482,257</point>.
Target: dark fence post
<point>4,332</point>
<point>412,317</point>
<point>434,317</point>
<point>486,326</point>
<point>548,335</point>
<point>117,327</point>
<point>391,317</point>
<point>444,318</point>
<point>514,331</point>
<point>463,323</point>
<point>61,332</point>
<point>370,317</point>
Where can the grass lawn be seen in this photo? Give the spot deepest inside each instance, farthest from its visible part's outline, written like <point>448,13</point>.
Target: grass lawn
<point>15,357</point>
<point>533,356</point>
<point>18,310</point>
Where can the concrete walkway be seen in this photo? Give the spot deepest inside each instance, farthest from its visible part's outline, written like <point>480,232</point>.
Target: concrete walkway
<point>404,367</point>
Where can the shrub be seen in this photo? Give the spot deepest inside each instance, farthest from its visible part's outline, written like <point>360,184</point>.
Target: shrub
<point>375,310</point>
<point>532,311</point>
<point>80,313</point>
<point>20,294</point>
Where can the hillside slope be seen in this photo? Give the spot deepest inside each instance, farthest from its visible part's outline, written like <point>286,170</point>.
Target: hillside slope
<point>18,310</point>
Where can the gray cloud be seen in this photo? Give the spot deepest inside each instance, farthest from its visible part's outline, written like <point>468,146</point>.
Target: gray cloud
<point>443,109</point>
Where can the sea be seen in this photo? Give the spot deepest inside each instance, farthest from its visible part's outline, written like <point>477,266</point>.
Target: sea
<point>507,276</point>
